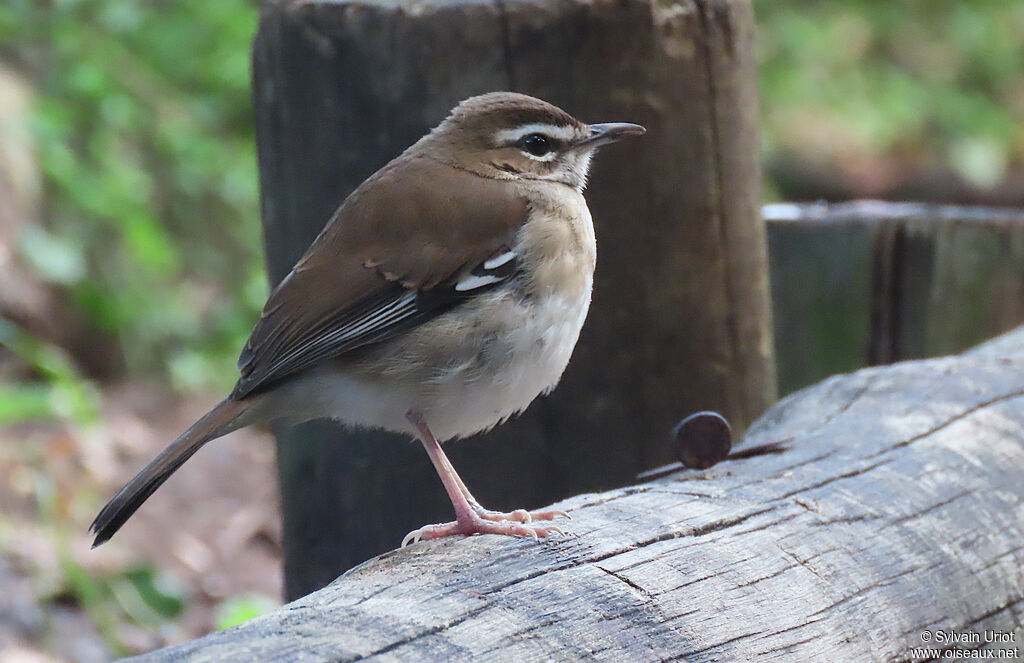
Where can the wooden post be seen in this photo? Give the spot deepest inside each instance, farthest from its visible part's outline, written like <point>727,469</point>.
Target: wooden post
<point>893,521</point>
<point>866,283</point>
<point>680,317</point>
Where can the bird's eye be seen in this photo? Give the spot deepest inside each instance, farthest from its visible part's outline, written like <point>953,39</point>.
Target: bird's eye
<point>537,144</point>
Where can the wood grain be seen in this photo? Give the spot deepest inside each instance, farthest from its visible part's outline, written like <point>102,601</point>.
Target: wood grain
<point>680,318</point>
<point>898,508</point>
<point>868,282</point>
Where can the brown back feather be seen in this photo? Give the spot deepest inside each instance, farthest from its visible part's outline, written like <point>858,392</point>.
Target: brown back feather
<point>413,224</point>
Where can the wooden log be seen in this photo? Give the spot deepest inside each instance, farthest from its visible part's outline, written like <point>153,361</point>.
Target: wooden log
<point>867,283</point>
<point>680,317</point>
<point>895,514</point>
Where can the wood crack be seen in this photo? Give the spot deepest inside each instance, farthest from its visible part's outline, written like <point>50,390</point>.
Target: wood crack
<point>624,579</point>
<point>504,25</point>
<point>832,479</point>
<point>885,582</point>
<point>767,577</point>
<point>791,645</point>
<point>718,645</point>
<point>413,637</point>
<point>917,514</point>
<point>993,612</point>
<point>952,420</point>
<point>717,186</point>
<point>846,520</point>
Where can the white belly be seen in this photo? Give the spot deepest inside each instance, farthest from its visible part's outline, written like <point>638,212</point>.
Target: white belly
<point>531,358</point>
<point>461,383</point>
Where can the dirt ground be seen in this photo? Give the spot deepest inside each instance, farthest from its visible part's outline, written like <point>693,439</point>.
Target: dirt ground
<point>205,542</point>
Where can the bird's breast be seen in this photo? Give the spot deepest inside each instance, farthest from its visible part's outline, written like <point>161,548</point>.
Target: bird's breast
<point>516,341</point>
<point>556,245</point>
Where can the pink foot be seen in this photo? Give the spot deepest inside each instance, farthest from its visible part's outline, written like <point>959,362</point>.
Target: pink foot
<point>480,524</point>
<point>519,515</point>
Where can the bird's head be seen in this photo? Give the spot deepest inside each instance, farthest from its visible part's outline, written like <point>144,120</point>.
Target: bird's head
<point>505,135</point>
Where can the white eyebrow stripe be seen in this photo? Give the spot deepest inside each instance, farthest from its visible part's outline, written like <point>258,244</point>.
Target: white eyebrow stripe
<point>560,132</point>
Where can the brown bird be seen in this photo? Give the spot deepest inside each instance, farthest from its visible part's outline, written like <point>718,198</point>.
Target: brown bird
<point>444,295</point>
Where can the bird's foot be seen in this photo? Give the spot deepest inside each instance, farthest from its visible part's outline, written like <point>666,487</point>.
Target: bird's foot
<point>492,523</point>
<point>519,515</point>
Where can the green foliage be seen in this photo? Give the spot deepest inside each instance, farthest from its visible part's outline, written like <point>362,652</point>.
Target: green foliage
<point>62,393</point>
<point>144,132</point>
<point>143,595</point>
<point>934,81</point>
<point>240,609</point>
<point>148,595</point>
<point>24,402</point>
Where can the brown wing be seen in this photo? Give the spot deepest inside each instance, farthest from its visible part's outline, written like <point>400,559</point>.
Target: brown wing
<point>389,259</point>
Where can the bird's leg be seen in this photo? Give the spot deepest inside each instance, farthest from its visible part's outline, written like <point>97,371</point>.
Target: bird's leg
<point>519,515</point>
<point>470,517</point>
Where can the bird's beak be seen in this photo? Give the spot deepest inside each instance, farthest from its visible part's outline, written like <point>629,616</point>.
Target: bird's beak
<point>609,132</point>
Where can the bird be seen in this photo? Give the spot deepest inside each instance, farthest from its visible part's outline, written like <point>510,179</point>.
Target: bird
<point>444,295</point>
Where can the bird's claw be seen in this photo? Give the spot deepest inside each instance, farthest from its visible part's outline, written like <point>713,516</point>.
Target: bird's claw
<point>479,524</point>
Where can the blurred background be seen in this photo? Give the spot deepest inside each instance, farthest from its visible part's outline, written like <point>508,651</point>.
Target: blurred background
<point>131,268</point>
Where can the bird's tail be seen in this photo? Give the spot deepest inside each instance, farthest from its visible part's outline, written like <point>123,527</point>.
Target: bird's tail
<point>225,417</point>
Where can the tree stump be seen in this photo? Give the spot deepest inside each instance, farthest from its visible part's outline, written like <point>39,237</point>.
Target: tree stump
<point>867,282</point>
<point>893,521</point>
<point>680,317</point>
